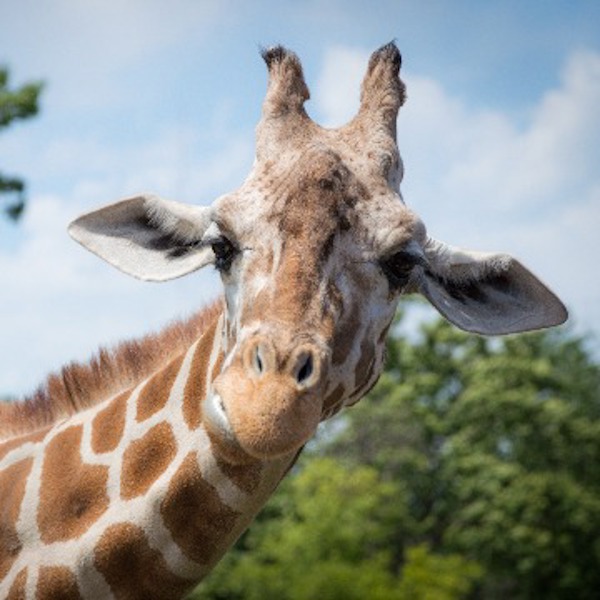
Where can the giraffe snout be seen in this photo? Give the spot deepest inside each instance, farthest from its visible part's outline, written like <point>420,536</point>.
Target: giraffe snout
<point>270,395</point>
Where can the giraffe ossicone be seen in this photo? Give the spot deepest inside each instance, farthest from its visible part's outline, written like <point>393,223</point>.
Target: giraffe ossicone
<point>135,487</point>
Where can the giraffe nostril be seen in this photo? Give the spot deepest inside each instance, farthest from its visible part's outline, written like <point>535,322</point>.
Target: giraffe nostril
<point>303,364</point>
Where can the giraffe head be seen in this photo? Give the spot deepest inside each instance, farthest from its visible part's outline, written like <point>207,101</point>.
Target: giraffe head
<point>315,250</point>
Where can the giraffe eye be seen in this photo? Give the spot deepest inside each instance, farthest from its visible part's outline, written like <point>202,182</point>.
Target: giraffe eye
<point>224,252</point>
<point>398,268</point>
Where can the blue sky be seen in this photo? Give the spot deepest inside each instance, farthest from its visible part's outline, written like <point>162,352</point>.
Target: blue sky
<point>500,138</point>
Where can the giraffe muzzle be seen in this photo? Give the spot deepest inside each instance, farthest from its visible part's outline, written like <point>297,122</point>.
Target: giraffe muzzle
<point>270,400</point>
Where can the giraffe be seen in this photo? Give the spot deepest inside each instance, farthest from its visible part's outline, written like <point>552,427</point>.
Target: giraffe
<point>130,477</point>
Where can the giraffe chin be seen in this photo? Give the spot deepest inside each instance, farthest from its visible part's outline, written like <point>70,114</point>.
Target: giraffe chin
<point>265,419</point>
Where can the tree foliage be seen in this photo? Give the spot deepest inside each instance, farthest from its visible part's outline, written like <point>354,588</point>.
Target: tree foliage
<point>329,534</point>
<point>15,104</point>
<point>471,470</point>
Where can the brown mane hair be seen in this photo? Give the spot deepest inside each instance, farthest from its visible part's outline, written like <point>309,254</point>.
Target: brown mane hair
<point>79,386</point>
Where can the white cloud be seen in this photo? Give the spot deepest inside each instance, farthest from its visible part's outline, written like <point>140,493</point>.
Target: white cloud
<point>338,85</point>
<point>172,164</point>
<point>557,150</point>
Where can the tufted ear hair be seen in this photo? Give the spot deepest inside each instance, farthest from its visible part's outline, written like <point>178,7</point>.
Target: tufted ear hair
<point>147,237</point>
<point>487,293</point>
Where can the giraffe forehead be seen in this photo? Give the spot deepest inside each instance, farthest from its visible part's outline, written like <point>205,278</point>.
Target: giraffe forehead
<point>312,195</point>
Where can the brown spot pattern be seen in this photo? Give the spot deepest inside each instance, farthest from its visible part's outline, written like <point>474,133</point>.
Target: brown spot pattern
<point>17,589</point>
<point>133,569</point>
<point>195,388</point>
<point>194,514</point>
<point>332,399</point>
<point>108,425</point>
<point>73,494</point>
<point>8,446</point>
<point>155,393</point>
<point>12,485</point>
<point>247,476</point>
<point>218,367</point>
<point>57,582</point>
<point>146,459</point>
<point>227,451</point>
<point>344,339</point>
<point>365,364</point>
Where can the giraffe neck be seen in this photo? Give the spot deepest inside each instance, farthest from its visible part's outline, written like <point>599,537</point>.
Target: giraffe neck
<point>131,498</point>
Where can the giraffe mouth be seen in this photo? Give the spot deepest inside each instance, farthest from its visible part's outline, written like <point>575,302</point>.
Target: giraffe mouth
<point>214,411</point>
<point>220,431</point>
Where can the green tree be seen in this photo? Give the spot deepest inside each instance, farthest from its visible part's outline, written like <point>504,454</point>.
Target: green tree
<point>427,576</point>
<point>498,444</point>
<point>15,104</point>
<point>329,535</point>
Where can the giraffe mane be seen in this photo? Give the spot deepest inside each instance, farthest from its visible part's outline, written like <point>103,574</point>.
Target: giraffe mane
<point>78,386</point>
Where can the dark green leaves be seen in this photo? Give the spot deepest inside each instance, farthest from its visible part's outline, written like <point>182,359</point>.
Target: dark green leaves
<point>15,104</point>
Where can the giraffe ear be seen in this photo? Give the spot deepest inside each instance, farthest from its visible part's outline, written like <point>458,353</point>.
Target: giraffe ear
<point>489,294</point>
<point>147,237</point>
